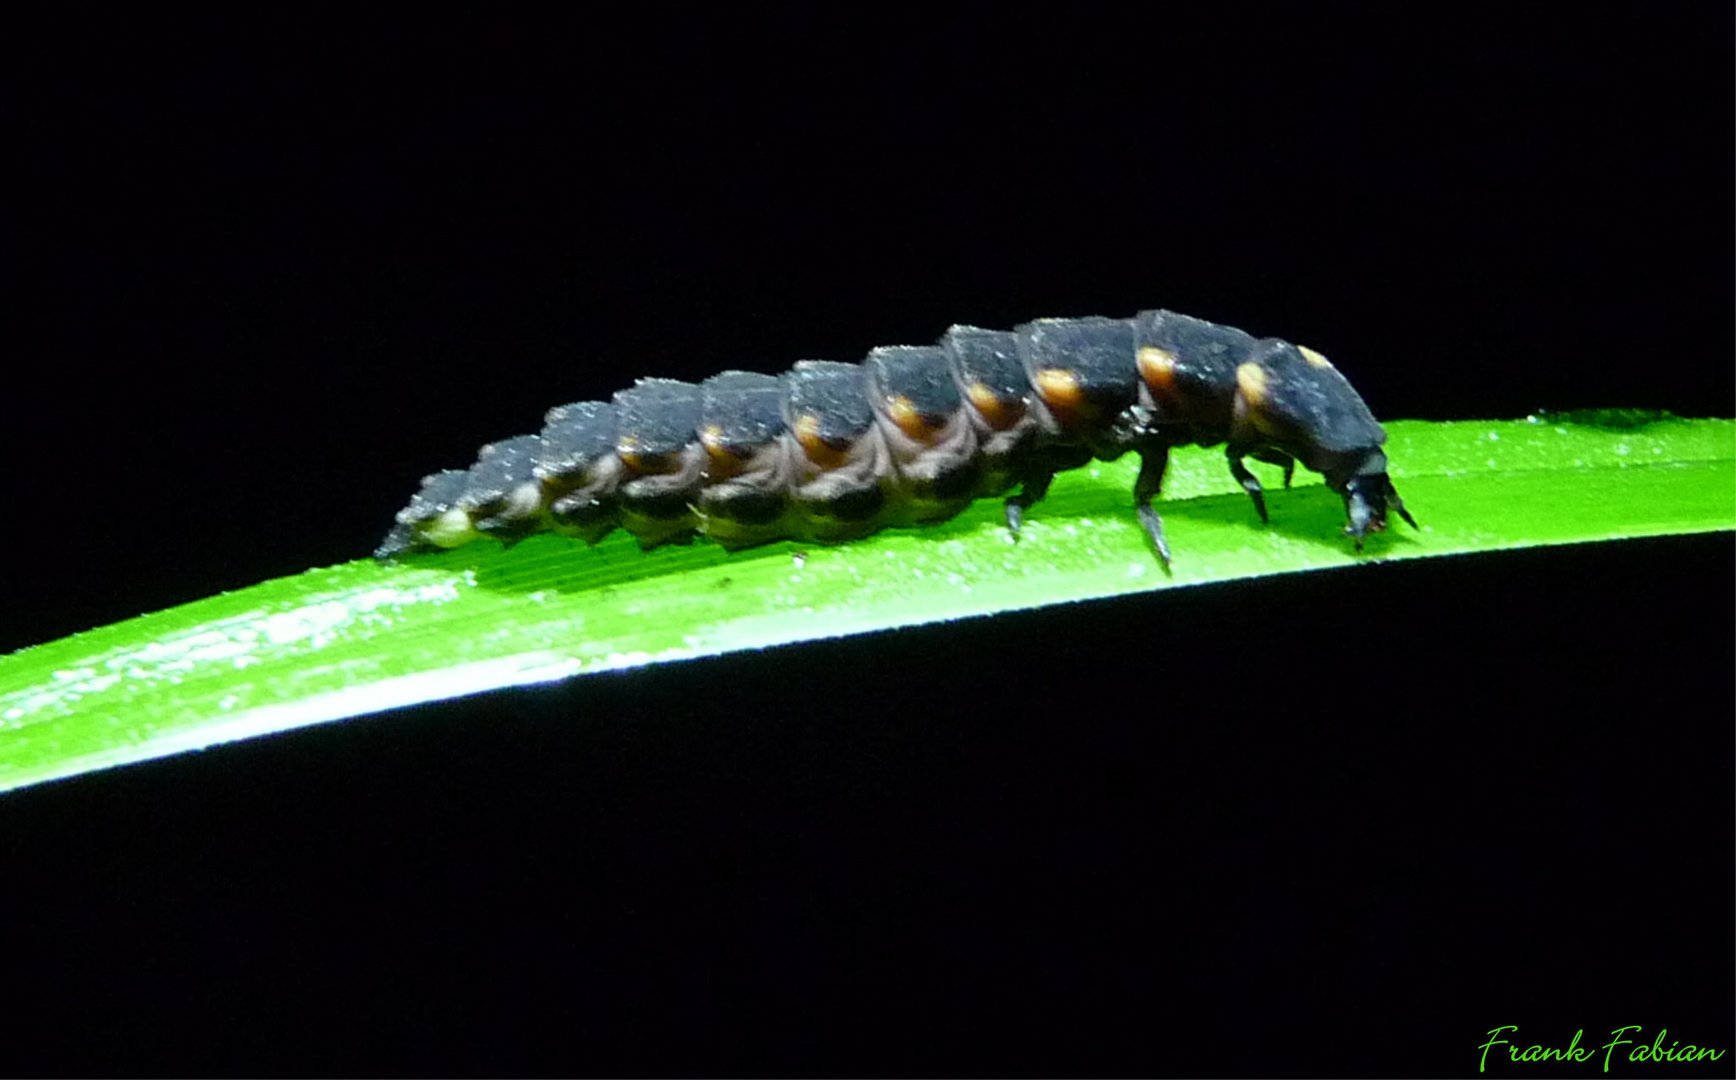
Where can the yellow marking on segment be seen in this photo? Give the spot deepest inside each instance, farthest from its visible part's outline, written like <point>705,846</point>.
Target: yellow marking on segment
<point>1251,381</point>
<point>627,449</point>
<point>999,413</point>
<point>1059,388</point>
<point>817,449</point>
<point>1157,368</point>
<point>636,459</point>
<point>1314,359</point>
<point>904,413</point>
<point>725,462</point>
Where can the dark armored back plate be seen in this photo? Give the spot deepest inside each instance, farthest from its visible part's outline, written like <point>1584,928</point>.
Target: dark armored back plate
<point>830,399</point>
<point>501,467</point>
<point>1097,354</point>
<point>657,417</point>
<point>439,494</point>
<point>920,375</point>
<point>575,436</point>
<point>989,358</point>
<point>1313,398</point>
<point>1206,354</point>
<point>742,409</point>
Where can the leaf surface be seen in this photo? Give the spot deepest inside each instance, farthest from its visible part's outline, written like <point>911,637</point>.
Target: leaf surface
<point>364,637</point>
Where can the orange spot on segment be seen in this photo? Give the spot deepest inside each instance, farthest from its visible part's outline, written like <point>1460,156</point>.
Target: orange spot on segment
<point>1061,392</point>
<point>1157,364</point>
<point>1251,384</point>
<point>1000,413</point>
<point>910,420</point>
<point>1251,381</point>
<point>643,464</point>
<point>724,462</point>
<point>1157,368</point>
<point>627,449</point>
<point>1314,359</point>
<point>1059,388</point>
<point>817,450</point>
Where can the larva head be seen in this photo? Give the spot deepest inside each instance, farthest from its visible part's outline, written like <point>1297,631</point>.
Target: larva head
<point>1295,400</point>
<point>1361,479</point>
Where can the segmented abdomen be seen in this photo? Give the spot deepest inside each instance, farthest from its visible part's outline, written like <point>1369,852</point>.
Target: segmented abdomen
<point>830,451</point>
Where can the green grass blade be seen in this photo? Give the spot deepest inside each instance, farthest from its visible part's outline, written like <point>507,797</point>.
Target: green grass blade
<point>361,637</point>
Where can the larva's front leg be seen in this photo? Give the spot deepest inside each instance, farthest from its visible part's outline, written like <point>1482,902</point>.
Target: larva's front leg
<point>1030,493</point>
<point>1153,462</point>
<point>1290,402</point>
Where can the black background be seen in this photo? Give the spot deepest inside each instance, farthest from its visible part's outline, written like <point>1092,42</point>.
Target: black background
<point>262,277</point>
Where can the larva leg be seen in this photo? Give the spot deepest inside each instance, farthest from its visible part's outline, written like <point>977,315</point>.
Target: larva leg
<point>1030,493</point>
<point>1037,472</point>
<point>1250,483</point>
<point>1152,464</point>
<point>1279,458</point>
